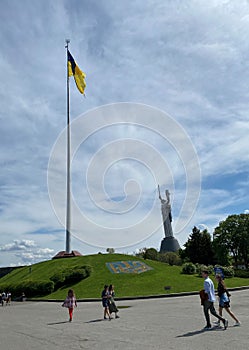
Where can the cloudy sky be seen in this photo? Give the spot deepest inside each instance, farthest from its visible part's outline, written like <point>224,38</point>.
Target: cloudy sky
<point>166,102</point>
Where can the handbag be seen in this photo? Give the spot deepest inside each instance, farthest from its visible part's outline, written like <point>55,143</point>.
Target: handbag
<point>112,306</point>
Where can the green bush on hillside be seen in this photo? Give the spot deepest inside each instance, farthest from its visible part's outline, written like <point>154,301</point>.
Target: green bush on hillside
<point>241,273</point>
<point>170,258</point>
<point>38,288</point>
<point>200,268</point>
<point>189,269</point>
<point>76,275</point>
<point>29,288</point>
<point>228,271</point>
<point>151,254</point>
<point>70,276</point>
<point>58,279</point>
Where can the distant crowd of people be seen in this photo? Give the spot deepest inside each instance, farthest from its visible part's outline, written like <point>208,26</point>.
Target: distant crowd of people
<point>5,298</point>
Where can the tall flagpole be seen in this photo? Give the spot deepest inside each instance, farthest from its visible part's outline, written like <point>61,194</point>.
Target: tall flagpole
<point>68,203</point>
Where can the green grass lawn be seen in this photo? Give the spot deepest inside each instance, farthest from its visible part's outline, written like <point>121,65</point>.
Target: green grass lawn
<point>148,283</point>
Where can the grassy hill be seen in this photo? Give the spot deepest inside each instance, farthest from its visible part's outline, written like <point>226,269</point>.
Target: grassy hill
<point>148,283</point>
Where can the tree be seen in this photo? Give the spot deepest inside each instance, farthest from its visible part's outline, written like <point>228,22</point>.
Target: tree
<point>198,248</point>
<point>110,250</point>
<point>232,236</point>
<point>221,254</point>
<point>151,254</point>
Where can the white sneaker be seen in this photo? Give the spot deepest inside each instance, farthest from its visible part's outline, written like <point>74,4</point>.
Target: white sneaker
<point>237,324</point>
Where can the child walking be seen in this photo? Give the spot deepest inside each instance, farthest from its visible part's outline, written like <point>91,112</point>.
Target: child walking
<point>70,302</point>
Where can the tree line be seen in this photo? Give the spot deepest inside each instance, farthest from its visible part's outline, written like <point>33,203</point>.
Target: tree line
<point>229,246</point>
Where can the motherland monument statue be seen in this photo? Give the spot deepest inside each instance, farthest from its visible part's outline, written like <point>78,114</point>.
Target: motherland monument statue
<point>169,243</point>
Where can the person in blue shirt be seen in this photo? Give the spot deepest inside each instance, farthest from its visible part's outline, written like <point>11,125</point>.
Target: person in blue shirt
<point>208,303</point>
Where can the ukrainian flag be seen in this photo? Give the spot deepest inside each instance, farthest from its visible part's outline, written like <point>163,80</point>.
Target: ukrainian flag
<point>73,70</point>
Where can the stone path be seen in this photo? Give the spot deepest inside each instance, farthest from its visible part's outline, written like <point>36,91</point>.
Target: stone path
<point>169,323</point>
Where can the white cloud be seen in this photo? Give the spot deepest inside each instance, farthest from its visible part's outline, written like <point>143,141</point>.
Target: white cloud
<point>31,257</point>
<point>27,251</point>
<point>18,245</point>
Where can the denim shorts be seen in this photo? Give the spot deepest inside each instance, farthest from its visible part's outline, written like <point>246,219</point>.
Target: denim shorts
<point>224,301</point>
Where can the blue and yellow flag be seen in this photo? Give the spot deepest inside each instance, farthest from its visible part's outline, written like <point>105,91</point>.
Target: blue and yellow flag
<point>74,70</point>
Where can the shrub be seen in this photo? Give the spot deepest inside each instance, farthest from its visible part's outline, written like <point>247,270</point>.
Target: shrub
<point>228,271</point>
<point>33,288</point>
<point>78,274</point>
<point>151,254</point>
<point>241,273</point>
<point>30,288</point>
<point>200,268</point>
<point>70,276</point>
<point>189,269</point>
<point>58,279</point>
<point>170,258</point>
<point>75,276</point>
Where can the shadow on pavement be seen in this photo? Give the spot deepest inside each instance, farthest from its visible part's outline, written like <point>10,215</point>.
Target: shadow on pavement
<point>51,324</point>
<point>200,331</point>
<point>97,320</point>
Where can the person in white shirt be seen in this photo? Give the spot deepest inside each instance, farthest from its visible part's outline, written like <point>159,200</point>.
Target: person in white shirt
<point>208,304</point>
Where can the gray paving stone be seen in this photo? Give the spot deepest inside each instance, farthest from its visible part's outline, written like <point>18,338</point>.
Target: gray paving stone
<point>169,323</point>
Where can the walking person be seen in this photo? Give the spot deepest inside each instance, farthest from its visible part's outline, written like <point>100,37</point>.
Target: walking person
<point>224,301</point>
<point>112,304</point>
<point>70,302</point>
<point>23,297</point>
<point>8,299</point>
<point>105,302</point>
<point>3,298</point>
<point>208,303</point>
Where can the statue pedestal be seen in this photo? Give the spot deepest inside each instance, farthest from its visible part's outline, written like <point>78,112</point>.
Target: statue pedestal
<point>169,244</point>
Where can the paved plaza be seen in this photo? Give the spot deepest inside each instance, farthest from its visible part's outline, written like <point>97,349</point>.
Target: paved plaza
<point>168,323</point>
